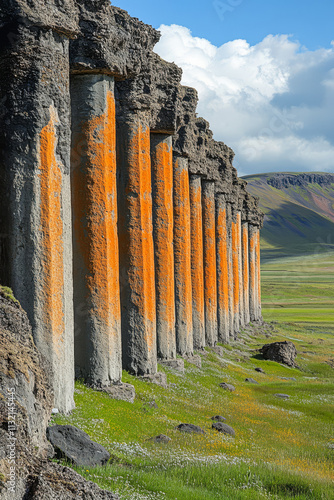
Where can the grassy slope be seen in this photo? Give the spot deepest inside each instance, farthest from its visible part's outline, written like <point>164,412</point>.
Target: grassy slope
<point>298,220</point>
<point>282,449</point>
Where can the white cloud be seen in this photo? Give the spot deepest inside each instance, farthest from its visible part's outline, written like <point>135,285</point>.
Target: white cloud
<point>271,102</point>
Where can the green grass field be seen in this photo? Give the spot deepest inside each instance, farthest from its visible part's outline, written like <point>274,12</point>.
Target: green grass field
<point>282,448</point>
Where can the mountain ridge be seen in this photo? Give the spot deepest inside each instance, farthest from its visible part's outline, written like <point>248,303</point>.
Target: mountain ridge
<point>299,211</point>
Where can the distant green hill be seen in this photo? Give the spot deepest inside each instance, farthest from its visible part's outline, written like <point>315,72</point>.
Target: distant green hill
<point>299,212</point>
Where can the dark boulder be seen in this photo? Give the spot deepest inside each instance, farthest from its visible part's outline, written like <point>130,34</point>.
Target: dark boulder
<point>75,445</point>
<point>227,387</point>
<point>162,439</point>
<point>224,428</point>
<point>281,352</point>
<point>282,396</point>
<point>190,428</point>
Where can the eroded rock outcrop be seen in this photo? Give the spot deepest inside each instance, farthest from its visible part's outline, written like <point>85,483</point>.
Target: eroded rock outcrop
<point>282,352</point>
<point>26,401</point>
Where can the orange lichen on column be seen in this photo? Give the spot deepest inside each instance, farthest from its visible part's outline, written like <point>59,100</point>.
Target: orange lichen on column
<point>197,268</point>
<point>163,222</point>
<point>253,290</point>
<point>96,262</point>
<point>136,248</point>
<point>230,270</point>
<point>51,228</point>
<point>245,271</point>
<point>182,258</point>
<point>241,281</point>
<point>258,264</point>
<point>236,278</point>
<point>210,262</point>
<point>222,270</point>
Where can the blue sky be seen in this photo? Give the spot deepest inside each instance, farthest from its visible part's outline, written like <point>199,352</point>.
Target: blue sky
<point>308,21</point>
<point>264,71</point>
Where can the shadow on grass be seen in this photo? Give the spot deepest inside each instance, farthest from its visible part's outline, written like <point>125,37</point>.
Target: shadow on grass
<point>258,356</point>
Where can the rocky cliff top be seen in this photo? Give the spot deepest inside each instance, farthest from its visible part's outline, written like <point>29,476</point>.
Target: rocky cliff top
<point>282,180</point>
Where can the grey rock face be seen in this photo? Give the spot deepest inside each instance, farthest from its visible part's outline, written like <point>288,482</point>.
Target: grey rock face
<point>281,352</point>
<point>175,364</point>
<point>122,392</point>
<point>35,167</point>
<point>54,481</point>
<point>110,40</point>
<point>190,428</point>
<point>55,15</point>
<point>157,379</point>
<point>23,369</point>
<point>75,445</point>
<point>224,428</point>
<point>282,181</point>
<point>227,387</point>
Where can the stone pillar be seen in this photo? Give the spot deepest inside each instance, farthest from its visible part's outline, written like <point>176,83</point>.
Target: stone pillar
<point>162,184</point>
<point>35,197</point>
<point>241,280</point>
<point>210,262</point>
<point>258,264</point>
<point>245,271</point>
<point>197,268</point>
<point>95,242</point>
<point>222,270</point>
<point>253,274</point>
<point>230,271</point>
<point>236,277</point>
<point>137,279</point>
<point>182,258</point>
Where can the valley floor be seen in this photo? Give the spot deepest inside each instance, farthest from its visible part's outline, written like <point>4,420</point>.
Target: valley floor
<point>282,448</point>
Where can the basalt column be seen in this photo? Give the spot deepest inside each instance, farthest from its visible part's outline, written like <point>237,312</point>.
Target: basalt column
<point>245,270</point>
<point>35,197</point>
<point>162,186</point>
<point>235,274</point>
<point>230,270</point>
<point>258,265</point>
<point>182,258</point>
<point>222,269</point>
<point>137,280</point>
<point>95,243</point>
<point>241,280</point>
<point>210,262</point>
<point>253,273</point>
<point>197,268</point>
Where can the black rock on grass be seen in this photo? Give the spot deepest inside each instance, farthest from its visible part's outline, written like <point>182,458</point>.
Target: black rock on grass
<point>190,428</point>
<point>224,428</point>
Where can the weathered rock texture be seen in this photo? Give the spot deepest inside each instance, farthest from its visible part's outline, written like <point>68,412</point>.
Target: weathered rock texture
<point>165,239</point>
<point>76,446</point>
<point>282,352</point>
<point>26,401</point>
